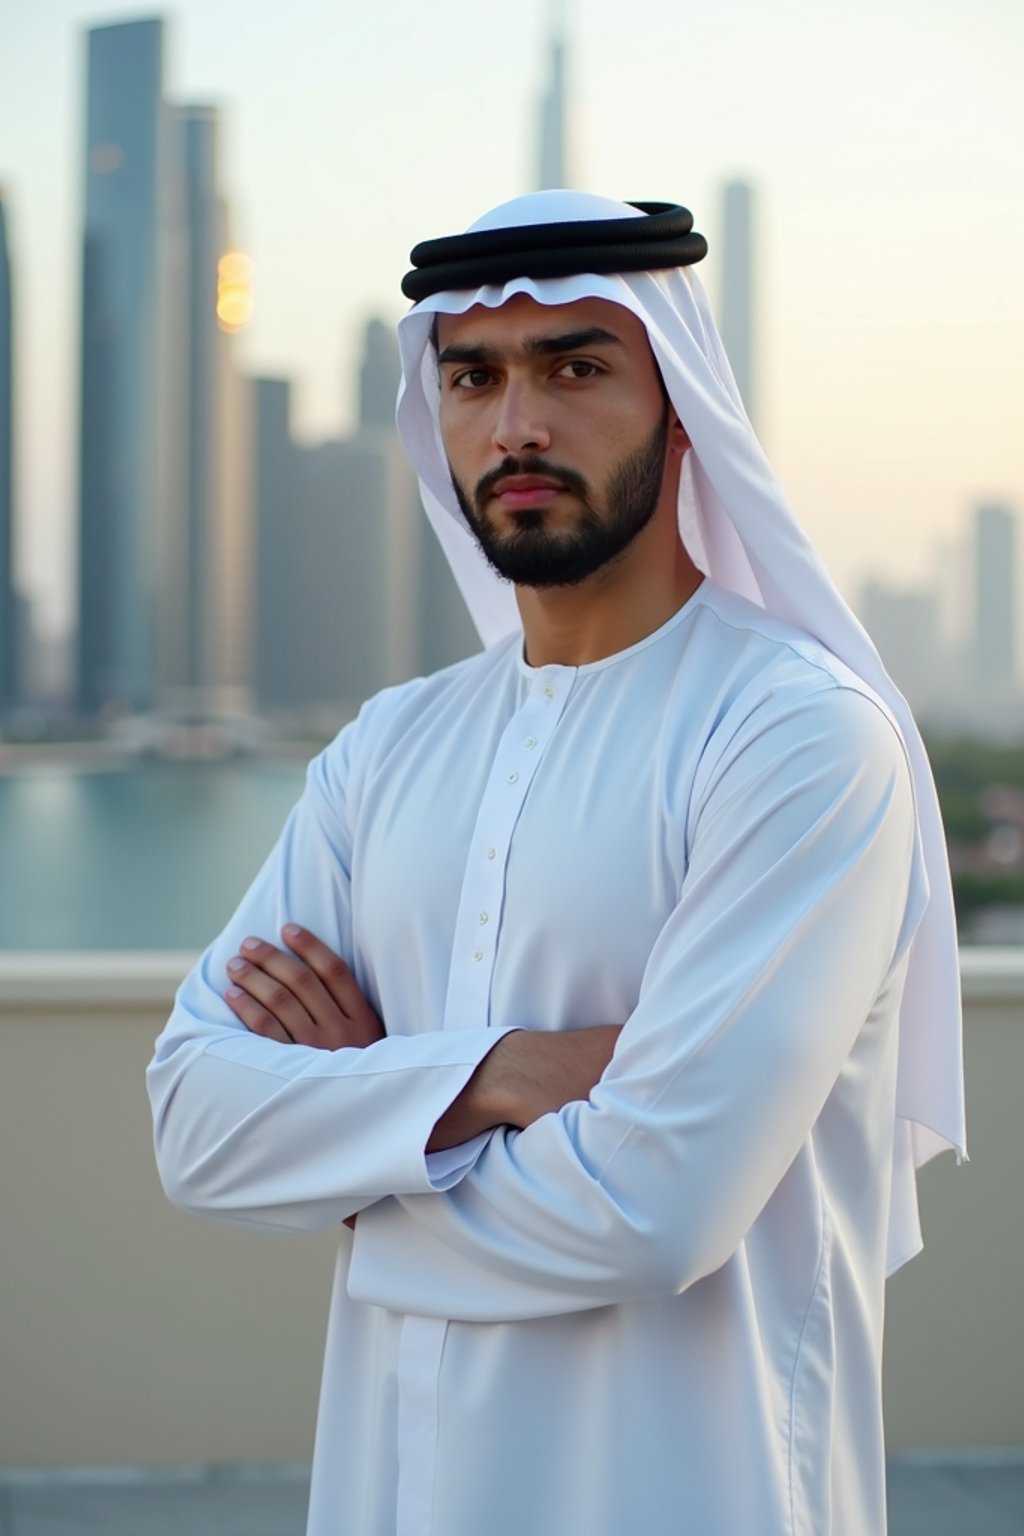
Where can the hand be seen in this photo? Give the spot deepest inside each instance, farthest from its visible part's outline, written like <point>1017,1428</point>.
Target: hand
<point>309,1000</point>
<point>529,1073</point>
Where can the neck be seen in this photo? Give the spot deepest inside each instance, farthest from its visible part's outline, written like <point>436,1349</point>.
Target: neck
<point>617,607</point>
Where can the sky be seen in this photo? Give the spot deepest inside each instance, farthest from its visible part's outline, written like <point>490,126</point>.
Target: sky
<point>884,140</point>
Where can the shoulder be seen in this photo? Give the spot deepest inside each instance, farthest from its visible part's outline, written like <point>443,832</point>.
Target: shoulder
<point>760,643</point>
<point>398,715</point>
<point>782,695</point>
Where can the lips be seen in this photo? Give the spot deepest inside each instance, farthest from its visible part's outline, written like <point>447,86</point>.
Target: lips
<point>525,483</point>
<point>517,492</point>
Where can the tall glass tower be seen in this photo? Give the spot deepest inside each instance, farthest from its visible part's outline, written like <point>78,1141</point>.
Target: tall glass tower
<point>8,607</point>
<point>738,313</point>
<point>552,156</point>
<point>380,374</point>
<point>122,400</point>
<point>995,595</point>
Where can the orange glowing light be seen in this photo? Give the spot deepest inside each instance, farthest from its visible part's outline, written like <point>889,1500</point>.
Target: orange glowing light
<point>234,291</point>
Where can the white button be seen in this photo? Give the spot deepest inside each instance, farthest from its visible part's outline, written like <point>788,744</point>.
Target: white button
<point>531,741</point>
<point>513,777</point>
<point>483,917</point>
<point>492,853</point>
<point>549,692</point>
<point>478,954</point>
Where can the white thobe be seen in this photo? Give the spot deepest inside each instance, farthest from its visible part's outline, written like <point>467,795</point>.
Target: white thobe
<point>658,1311</point>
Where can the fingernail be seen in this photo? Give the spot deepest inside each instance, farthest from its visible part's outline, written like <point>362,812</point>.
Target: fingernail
<point>237,964</point>
<point>292,930</point>
<point>234,993</point>
<point>251,943</point>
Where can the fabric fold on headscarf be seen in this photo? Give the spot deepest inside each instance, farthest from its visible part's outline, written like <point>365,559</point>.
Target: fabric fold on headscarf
<point>739,529</point>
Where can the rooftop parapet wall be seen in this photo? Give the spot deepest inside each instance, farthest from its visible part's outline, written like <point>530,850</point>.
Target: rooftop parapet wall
<point>131,1333</point>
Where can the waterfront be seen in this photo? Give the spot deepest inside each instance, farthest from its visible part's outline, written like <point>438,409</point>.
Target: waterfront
<point>151,857</point>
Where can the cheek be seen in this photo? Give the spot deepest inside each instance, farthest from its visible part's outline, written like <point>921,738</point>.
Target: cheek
<point>458,439</point>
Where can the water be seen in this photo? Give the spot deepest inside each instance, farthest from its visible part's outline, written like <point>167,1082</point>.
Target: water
<point>153,858</point>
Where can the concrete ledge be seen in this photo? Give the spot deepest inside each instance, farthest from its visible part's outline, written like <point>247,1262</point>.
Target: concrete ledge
<point>995,973</point>
<point>123,978</point>
<point>131,1333</point>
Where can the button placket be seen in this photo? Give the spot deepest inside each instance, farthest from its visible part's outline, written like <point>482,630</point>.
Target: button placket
<point>467,1006</point>
<point>478,923</point>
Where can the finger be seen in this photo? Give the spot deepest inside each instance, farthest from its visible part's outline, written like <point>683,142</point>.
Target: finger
<point>255,1018</point>
<point>299,978</point>
<point>332,970</point>
<point>275,997</point>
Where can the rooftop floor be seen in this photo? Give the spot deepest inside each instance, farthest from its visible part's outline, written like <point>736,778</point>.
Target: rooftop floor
<point>975,1493</point>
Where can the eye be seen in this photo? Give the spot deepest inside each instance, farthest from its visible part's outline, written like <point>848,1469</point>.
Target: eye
<point>580,369</point>
<point>472,378</point>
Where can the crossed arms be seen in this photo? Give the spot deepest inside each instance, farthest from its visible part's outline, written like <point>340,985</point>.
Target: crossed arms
<point>310,997</point>
<point>789,929</point>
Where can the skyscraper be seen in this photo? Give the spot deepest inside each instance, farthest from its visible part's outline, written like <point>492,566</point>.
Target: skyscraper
<point>552,155</point>
<point>338,541</point>
<point>203,577</point>
<point>353,591</point>
<point>281,557</point>
<point>738,312</point>
<point>995,596</point>
<point>9,623</point>
<point>379,376</point>
<point>904,624</point>
<point>123,404</point>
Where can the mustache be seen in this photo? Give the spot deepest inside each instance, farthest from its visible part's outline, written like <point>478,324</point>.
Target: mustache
<point>531,464</point>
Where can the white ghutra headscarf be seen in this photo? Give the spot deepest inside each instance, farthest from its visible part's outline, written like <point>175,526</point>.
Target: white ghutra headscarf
<point>738,528</point>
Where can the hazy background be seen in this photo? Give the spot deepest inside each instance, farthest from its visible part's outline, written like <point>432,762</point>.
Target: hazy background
<point>884,141</point>
<point>882,145</point>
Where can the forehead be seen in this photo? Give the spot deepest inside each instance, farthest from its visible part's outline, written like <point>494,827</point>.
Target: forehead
<point>522,318</point>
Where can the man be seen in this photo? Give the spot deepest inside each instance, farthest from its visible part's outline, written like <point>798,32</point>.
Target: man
<point>595,983</point>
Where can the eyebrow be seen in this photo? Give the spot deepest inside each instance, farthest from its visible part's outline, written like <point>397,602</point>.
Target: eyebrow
<point>533,346</point>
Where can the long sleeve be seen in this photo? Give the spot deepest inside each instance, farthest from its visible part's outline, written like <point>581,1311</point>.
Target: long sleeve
<point>801,894</point>
<point>283,1136</point>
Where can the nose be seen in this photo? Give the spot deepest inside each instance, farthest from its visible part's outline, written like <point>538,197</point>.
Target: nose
<point>519,425</point>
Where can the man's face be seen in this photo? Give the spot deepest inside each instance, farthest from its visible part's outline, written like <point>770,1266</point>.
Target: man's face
<point>556,427</point>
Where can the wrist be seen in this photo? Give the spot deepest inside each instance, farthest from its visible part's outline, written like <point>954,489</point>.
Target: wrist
<point>484,1103</point>
<point>495,1096</point>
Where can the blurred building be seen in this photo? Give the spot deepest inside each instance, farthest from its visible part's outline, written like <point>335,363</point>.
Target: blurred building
<point>379,375</point>
<point>904,623</point>
<point>124,498</point>
<point>953,651</point>
<point>10,619</point>
<point>205,651</point>
<point>353,592</point>
<point>164,516</point>
<point>335,580</point>
<point>738,311</point>
<point>278,633</point>
<point>552,152</point>
<point>995,597</point>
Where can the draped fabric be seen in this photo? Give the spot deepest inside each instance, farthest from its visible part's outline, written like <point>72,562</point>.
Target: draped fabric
<point>739,529</point>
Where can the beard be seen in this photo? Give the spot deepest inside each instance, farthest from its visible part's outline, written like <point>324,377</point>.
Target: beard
<point>535,556</point>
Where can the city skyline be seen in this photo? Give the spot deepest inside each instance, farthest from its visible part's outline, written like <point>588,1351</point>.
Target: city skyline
<point>952,642</point>
<point>888,398</point>
<point>222,571</point>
